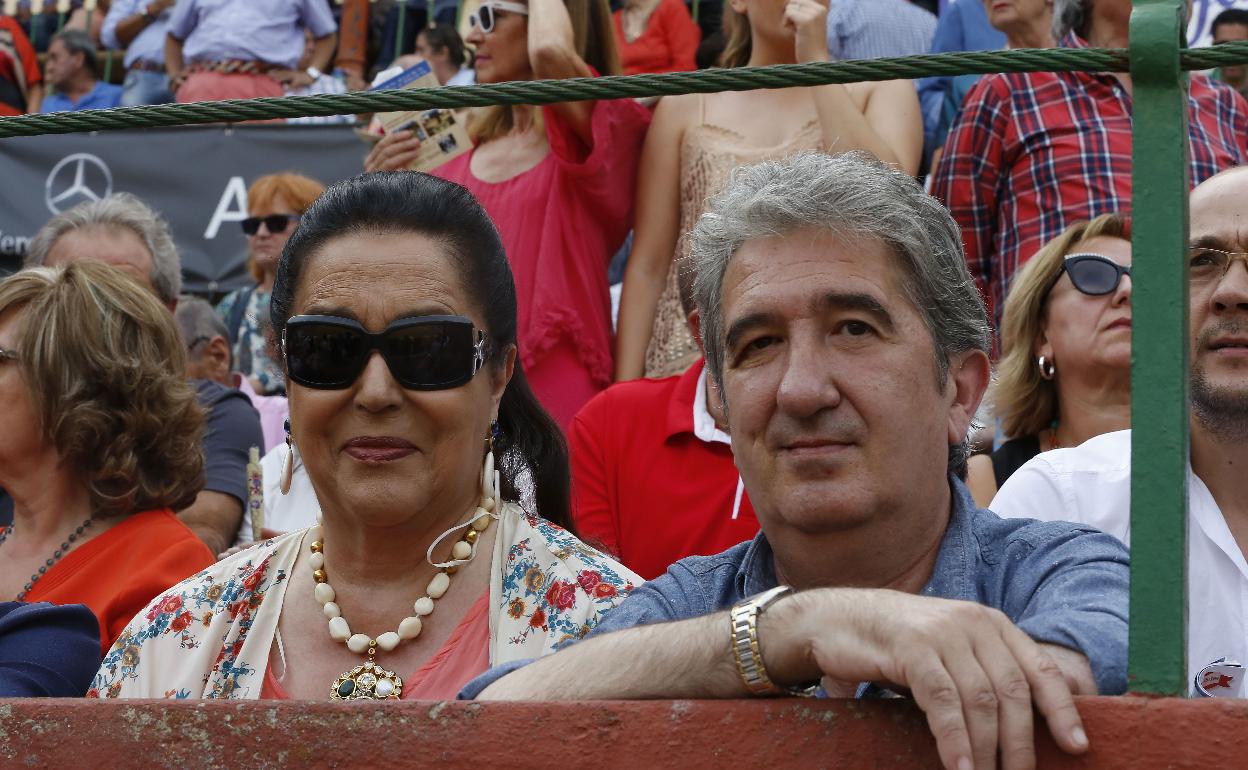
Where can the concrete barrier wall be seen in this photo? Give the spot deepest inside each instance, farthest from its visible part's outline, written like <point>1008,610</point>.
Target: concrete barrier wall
<point>1125,733</point>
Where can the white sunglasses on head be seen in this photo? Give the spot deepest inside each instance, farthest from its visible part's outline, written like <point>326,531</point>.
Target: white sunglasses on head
<point>485,16</point>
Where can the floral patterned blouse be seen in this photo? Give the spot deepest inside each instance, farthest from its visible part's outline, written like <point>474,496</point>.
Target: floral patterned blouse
<point>210,635</point>
<point>251,349</point>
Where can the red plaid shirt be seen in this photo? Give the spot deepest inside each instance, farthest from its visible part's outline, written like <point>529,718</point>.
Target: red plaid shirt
<point>1033,153</point>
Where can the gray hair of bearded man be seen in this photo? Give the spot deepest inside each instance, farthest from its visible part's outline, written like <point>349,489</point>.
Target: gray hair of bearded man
<point>118,210</point>
<point>858,197</point>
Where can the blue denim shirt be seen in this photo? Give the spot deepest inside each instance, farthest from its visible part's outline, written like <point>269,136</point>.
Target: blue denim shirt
<point>1060,583</point>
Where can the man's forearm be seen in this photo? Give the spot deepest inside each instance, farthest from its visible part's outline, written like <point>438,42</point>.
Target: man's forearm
<point>323,51</point>
<point>130,27</point>
<point>684,659</point>
<point>214,517</point>
<point>173,56</point>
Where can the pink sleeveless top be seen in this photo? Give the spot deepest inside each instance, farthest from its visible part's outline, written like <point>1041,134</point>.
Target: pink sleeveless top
<point>465,655</point>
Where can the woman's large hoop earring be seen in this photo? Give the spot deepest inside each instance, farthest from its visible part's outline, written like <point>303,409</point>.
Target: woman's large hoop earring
<point>288,468</point>
<point>1047,367</point>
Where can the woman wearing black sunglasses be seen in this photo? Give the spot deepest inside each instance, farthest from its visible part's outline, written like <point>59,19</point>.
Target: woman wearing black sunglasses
<point>1065,371</point>
<point>411,413</point>
<point>274,204</point>
<point>558,182</point>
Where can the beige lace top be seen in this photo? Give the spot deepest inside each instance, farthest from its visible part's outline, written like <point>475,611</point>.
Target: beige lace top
<point>708,154</point>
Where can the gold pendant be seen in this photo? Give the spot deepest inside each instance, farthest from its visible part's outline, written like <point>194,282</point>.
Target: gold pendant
<point>367,681</point>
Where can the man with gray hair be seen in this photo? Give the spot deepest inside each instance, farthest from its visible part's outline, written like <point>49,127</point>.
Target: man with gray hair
<point>72,84</point>
<point>1032,153</point>
<point>210,357</point>
<point>122,231</point>
<point>119,230</point>
<point>849,344</point>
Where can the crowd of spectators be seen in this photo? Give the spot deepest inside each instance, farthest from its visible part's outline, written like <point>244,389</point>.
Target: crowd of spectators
<point>910,407</point>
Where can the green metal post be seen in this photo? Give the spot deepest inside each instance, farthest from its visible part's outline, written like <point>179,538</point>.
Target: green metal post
<point>398,34</point>
<point>1159,384</point>
<point>695,4</point>
<point>60,21</point>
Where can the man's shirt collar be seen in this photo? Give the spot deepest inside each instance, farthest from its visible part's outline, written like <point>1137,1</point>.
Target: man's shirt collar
<point>951,578</point>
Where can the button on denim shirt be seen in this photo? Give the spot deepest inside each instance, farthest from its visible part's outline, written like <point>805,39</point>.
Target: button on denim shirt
<point>1061,583</point>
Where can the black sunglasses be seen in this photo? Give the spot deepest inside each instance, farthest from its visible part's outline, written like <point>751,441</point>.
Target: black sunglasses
<point>274,223</point>
<point>1093,274</point>
<point>434,352</point>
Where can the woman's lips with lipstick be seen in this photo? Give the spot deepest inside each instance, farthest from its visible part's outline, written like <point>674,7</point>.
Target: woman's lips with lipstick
<point>379,449</point>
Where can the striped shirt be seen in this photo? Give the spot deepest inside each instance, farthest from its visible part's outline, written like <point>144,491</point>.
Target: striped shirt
<point>873,29</point>
<point>1031,154</point>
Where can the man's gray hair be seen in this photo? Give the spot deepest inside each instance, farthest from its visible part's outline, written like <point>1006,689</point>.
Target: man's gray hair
<point>856,197</point>
<point>117,210</point>
<point>198,321</point>
<point>1071,16</point>
<point>77,41</point>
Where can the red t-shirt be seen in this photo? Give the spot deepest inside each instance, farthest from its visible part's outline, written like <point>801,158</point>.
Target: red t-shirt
<point>13,42</point>
<point>644,486</point>
<point>669,42</point>
<point>119,572</point>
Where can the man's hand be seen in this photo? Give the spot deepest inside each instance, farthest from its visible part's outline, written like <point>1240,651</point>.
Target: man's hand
<point>808,21</point>
<point>971,670</point>
<point>394,152</point>
<point>291,78</point>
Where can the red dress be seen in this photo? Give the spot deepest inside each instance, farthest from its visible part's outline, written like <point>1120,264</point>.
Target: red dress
<point>669,42</point>
<point>561,221</point>
<point>117,573</point>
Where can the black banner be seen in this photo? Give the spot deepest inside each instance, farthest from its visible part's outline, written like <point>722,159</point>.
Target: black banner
<point>196,177</point>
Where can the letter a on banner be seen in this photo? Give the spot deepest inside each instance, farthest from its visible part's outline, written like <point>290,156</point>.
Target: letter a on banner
<point>235,193</point>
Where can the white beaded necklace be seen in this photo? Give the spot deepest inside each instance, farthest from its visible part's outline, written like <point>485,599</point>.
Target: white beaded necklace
<point>369,681</point>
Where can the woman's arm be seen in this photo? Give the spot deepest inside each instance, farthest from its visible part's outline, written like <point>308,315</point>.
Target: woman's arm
<point>892,131</point>
<point>552,54</point>
<point>654,235</point>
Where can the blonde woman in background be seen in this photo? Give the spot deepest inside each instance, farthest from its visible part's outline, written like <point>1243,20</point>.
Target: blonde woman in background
<point>1065,371</point>
<point>696,141</point>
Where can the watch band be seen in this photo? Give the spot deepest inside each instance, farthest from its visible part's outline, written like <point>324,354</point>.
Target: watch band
<point>313,73</point>
<point>745,647</point>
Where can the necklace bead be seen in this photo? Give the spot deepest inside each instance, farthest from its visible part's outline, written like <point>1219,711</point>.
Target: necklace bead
<point>439,584</point>
<point>338,629</point>
<point>324,593</point>
<point>410,628</point>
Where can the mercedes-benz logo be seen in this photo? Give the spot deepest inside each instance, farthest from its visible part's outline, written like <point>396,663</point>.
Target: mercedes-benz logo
<point>76,179</point>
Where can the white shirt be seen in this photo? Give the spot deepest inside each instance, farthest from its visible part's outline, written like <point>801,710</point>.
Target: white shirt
<point>705,429</point>
<point>1091,484</point>
<point>284,513</point>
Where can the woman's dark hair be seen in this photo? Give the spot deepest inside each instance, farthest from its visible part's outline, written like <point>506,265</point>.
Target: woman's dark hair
<point>445,36</point>
<point>405,201</point>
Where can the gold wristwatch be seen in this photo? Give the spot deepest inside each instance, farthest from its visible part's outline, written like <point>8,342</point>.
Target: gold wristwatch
<point>745,649</point>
